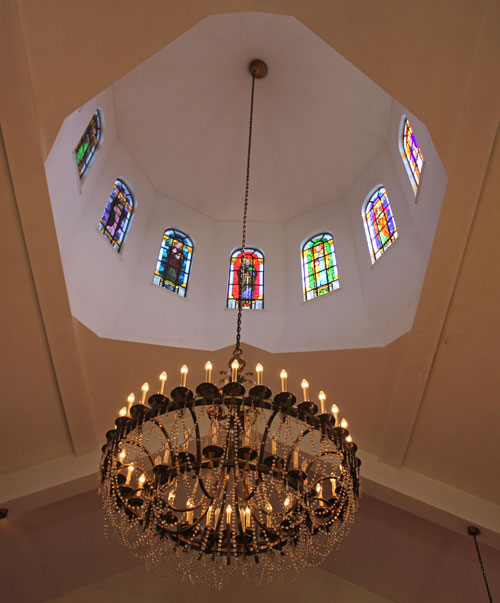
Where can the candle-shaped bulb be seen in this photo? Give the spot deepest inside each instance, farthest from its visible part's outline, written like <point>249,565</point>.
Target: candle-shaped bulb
<point>305,389</point>
<point>163,378</point>
<point>123,411</point>
<point>228,514</point>
<point>142,479</point>
<point>189,514</point>
<point>235,365</point>
<point>322,398</point>
<point>122,455</point>
<point>274,447</point>
<point>130,400</point>
<point>269,510</point>
<point>145,389</point>
<point>184,372</point>
<point>344,424</point>
<point>158,460</point>
<point>287,502</point>
<point>130,470</point>
<point>335,413</point>
<point>171,497</point>
<point>333,482</point>
<point>209,515</point>
<point>247,518</point>
<point>348,439</point>
<point>259,369</point>
<point>208,372</point>
<point>283,377</point>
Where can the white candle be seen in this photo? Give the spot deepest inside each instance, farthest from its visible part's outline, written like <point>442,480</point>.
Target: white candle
<point>145,389</point>
<point>130,400</point>
<point>335,413</point>
<point>166,456</point>
<point>189,514</point>
<point>123,411</point>
<point>209,515</point>
<point>333,481</point>
<point>344,424</point>
<point>269,510</point>
<point>228,514</point>
<point>208,372</point>
<point>283,377</point>
<point>274,447</point>
<point>130,470</point>
<point>322,398</point>
<point>163,378</point>
<point>259,369</point>
<point>305,389</point>
<point>184,372</point>
<point>235,365</point>
<point>248,524</point>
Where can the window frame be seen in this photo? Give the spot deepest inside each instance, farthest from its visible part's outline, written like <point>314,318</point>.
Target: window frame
<point>331,285</point>
<point>255,304</point>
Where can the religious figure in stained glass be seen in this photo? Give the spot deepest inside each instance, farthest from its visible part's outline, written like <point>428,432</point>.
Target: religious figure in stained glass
<point>412,155</point>
<point>174,262</point>
<point>319,266</point>
<point>88,144</point>
<point>380,226</point>
<point>249,270</point>
<point>117,215</point>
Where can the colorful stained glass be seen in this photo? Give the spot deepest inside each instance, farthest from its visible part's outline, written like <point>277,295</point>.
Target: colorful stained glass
<point>117,215</point>
<point>86,148</point>
<point>250,268</point>
<point>413,154</point>
<point>380,226</point>
<point>174,262</point>
<point>319,266</point>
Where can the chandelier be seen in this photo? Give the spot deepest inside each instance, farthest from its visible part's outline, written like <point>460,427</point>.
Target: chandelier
<point>229,481</point>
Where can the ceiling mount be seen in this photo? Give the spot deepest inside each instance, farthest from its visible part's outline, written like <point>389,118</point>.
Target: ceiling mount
<point>258,68</point>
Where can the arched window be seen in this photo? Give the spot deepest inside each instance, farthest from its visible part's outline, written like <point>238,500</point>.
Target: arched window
<point>117,214</point>
<point>412,155</point>
<point>319,266</point>
<point>252,282</point>
<point>86,148</point>
<point>380,226</point>
<point>174,262</point>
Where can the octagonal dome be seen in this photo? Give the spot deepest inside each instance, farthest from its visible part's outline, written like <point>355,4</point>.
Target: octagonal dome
<point>175,130</point>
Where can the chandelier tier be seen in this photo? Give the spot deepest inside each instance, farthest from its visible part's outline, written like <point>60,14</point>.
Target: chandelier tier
<point>230,481</point>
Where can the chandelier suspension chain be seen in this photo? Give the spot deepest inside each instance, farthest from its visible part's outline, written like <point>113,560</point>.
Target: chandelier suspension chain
<point>237,349</point>
<point>473,531</point>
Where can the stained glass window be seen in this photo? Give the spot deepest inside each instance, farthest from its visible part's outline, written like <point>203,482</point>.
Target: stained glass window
<point>86,148</point>
<point>380,226</point>
<point>319,266</point>
<point>117,215</point>
<point>250,267</point>
<point>412,154</point>
<point>174,262</point>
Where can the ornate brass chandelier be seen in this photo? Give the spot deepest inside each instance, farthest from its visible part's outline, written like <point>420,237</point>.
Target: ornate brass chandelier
<point>230,481</point>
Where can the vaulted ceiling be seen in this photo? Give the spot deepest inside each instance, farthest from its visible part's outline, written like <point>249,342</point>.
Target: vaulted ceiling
<point>425,407</point>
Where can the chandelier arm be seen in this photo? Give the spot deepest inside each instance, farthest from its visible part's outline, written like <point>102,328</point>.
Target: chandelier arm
<point>237,349</point>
